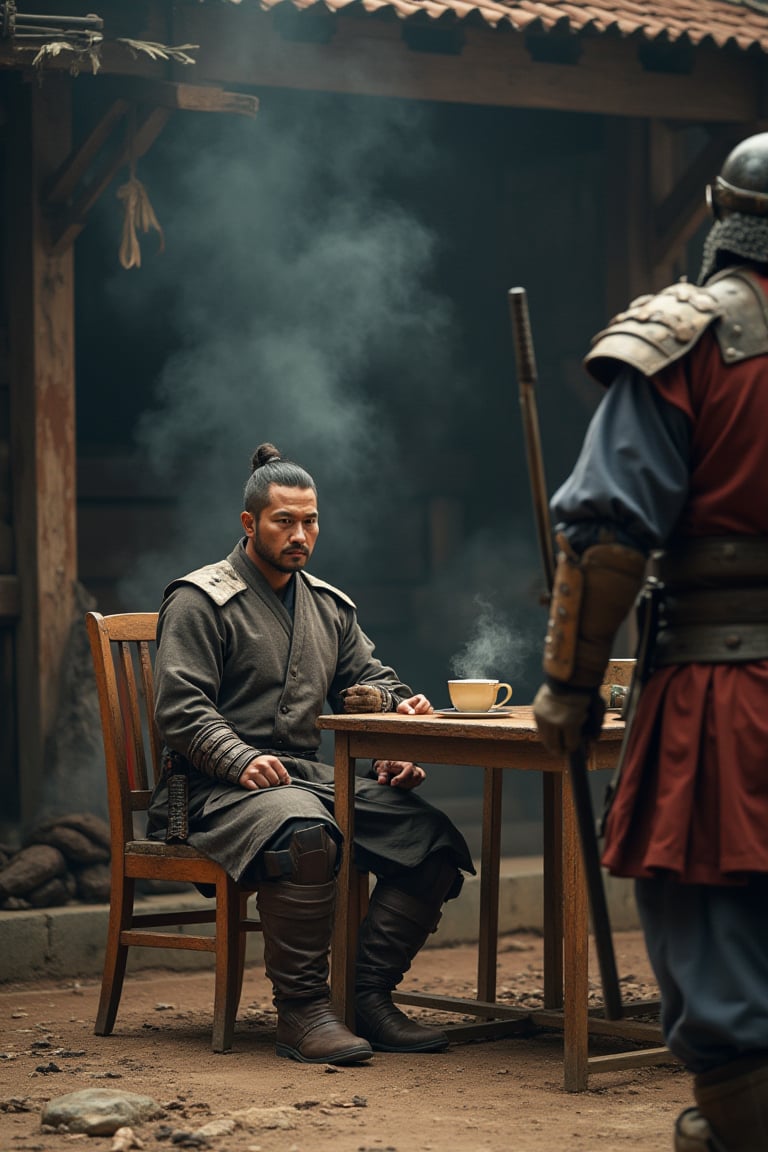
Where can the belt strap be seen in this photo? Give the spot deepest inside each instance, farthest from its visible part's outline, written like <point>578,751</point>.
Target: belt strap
<point>711,644</point>
<point>713,601</point>
<point>747,605</point>
<point>718,560</point>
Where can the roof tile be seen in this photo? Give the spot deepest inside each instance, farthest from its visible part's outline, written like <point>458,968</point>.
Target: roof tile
<point>740,22</point>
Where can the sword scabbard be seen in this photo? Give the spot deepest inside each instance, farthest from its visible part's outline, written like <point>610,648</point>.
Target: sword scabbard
<point>175,767</point>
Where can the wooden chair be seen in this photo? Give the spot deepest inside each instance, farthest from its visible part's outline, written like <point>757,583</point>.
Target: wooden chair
<point>121,646</point>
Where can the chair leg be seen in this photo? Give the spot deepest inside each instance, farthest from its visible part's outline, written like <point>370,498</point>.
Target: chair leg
<point>242,939</point>
<point>115,956</point>
<point>230,961</point>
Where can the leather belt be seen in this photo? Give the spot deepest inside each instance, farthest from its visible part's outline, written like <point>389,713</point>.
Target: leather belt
<point>711,644</point>
<point>713,601</point>
<point>720,561</point>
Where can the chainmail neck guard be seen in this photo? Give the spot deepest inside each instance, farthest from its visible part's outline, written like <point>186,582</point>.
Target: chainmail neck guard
<point>745,237</point>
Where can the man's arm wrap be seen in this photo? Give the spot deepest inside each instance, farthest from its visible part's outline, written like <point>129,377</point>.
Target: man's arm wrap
<point>218,752</point>
<point>591,596</point>
<point>389,700</point>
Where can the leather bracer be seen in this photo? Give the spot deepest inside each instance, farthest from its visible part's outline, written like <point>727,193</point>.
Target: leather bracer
<point>592,594</point>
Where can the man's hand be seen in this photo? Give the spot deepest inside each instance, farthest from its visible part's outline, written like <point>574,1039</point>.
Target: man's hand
<point>264,772</point>
<point>399,773</point>
<point>566,719</point>
<point>415,706</point>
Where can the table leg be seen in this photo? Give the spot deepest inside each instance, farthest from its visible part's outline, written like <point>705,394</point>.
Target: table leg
<point>575,949</point>
<point>346,921</point>
<point>552,786</point>
<point>488,935</point>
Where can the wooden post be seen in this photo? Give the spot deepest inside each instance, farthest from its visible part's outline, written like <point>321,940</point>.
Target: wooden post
<point>655,200</point>
<point>666,164</point>
<point>42,392</point>
<point>628,212</point>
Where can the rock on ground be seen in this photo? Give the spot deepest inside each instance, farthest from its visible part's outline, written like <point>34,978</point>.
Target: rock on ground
<point>486,1096</point>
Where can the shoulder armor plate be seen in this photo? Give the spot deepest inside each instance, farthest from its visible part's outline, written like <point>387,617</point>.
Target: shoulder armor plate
<point>743,328</point>
<point>654,331</point>
<point>220,581</point>
<point>315,582</point>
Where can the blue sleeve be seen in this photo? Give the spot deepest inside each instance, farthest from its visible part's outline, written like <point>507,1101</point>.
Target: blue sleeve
<point>631,477</point>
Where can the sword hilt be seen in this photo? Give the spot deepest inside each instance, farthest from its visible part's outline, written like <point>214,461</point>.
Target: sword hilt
<point>521,329</point>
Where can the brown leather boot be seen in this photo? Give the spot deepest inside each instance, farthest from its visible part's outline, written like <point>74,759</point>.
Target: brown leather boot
<point>390,936</point>
<point>733,1099</point>
<point>297,919</point>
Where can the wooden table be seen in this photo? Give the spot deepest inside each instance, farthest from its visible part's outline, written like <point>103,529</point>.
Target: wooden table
<point>494,744</point>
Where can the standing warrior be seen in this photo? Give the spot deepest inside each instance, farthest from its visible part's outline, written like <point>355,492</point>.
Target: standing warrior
<point>249,650</point>
<point>674,465</point>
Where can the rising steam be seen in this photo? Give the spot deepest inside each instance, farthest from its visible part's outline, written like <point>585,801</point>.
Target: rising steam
<point>495,651</point>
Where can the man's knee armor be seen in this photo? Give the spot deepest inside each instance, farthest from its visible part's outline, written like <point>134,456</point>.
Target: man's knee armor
<point>310,857</point>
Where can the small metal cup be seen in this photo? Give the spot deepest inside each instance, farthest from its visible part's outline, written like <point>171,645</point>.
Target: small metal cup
<point>616,682</point>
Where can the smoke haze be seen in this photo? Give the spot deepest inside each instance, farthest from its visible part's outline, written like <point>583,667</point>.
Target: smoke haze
<point>334,280</point>
<point>288,279</point>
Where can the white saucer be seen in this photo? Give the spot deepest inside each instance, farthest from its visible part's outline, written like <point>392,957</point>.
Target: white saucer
<point>454,714</point>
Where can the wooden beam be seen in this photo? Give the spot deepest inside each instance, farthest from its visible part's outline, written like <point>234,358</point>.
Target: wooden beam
<point>144,20</point>
<point>78,162</point>
<point>186,97</point>
<point>628,212</point>
<point>42,384</point>
<point>683,210</point>
<point>158,99</point>
<point>666,164</point>
<point>114,60</point>
<point>70,224</point>
<point>241,44</point>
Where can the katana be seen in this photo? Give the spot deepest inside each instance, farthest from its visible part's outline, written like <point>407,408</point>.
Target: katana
<point>577,761</point>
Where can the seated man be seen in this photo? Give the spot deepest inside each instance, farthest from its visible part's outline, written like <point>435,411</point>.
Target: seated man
<point>248,652</point>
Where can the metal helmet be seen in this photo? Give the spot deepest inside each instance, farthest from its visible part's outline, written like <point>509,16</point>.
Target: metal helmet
<point>742,185</point>
<point>738,200</point>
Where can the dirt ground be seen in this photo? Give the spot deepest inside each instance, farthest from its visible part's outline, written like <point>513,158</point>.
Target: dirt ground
<point>489,1096</point>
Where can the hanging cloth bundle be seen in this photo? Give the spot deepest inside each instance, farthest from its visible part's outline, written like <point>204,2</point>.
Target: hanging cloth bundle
<point>138,212</point>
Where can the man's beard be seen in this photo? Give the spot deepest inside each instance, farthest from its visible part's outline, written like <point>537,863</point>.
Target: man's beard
<point>276,560</point>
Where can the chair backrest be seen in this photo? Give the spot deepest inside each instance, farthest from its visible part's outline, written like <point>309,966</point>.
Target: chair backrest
<point>122,647</point>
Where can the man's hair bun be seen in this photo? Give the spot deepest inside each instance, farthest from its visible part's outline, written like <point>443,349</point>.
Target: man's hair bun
<point>268,467</point>
<point>264,454</point>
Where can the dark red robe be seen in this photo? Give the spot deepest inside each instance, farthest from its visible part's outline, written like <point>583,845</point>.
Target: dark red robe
<point>693,797</point>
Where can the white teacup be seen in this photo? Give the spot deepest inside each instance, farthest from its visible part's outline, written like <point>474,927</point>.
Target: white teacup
<point>477,695</point>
